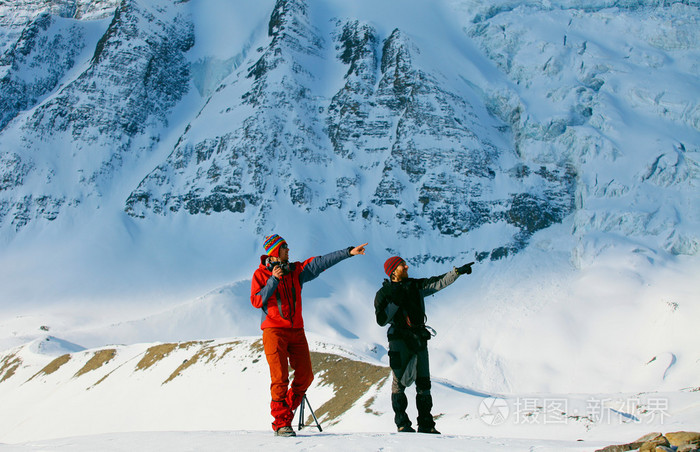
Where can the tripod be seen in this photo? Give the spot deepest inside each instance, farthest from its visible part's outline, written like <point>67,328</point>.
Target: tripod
<point>301,414</point>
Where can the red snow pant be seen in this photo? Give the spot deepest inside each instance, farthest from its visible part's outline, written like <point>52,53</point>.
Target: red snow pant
<point>286,347</point>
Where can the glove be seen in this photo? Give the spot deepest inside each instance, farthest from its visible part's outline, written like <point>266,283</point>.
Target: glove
<point>465,269</point>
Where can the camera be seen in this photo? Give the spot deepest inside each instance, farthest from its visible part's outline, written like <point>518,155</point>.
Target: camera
<point>283,265</point>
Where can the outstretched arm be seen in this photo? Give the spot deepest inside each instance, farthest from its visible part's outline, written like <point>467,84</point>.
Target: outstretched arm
<point>431,285</point>
<point>437,283</point>
<point>316,265</point>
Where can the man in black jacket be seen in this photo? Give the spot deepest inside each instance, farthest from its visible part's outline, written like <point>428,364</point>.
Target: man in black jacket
<point>400,302</point>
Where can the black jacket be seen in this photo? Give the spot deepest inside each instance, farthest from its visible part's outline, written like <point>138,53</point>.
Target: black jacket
<point>402,304</point>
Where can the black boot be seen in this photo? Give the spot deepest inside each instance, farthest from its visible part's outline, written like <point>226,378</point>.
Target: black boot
<point>426,424</point>
<point>399,403</point>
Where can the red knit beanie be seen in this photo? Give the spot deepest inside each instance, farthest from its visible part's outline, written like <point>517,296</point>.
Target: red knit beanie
<point>391,264</point>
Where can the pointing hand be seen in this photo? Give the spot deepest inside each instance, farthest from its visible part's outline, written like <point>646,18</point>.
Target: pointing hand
<point>465,269</point>
<point>358,250</point>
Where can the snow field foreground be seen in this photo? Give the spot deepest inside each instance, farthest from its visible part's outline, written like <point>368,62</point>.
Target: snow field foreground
<point>213,395</point>
<point>307,441</point>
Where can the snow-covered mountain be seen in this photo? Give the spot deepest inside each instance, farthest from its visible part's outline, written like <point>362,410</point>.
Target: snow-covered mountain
<point>512,118</point>
<point>147,147</point>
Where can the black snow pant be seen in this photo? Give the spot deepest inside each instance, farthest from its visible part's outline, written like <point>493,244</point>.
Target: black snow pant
<point>399,355</point>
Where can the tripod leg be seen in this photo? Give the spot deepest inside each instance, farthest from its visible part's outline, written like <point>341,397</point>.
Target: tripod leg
<point>318,425</point>
<point>301,415</point>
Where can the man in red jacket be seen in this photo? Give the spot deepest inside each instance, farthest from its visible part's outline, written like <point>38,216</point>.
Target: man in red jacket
<point>276,289</point>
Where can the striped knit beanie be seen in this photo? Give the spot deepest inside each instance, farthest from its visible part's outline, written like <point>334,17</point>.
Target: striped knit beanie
<point>272,245</point>
<point>391,264</point>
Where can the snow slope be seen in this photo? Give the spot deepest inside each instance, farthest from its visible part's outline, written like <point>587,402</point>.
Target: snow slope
<point>211,390</point>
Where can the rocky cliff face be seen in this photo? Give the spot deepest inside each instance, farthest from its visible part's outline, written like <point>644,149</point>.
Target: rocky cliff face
<point>346,117</point>
<point>72,143</point>
<point>407,152</point>
<point>37,47</point>
<point>267,126</point>
<point>606,95</point>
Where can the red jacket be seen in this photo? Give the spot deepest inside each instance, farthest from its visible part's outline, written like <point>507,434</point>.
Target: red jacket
<point>280,300</point>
